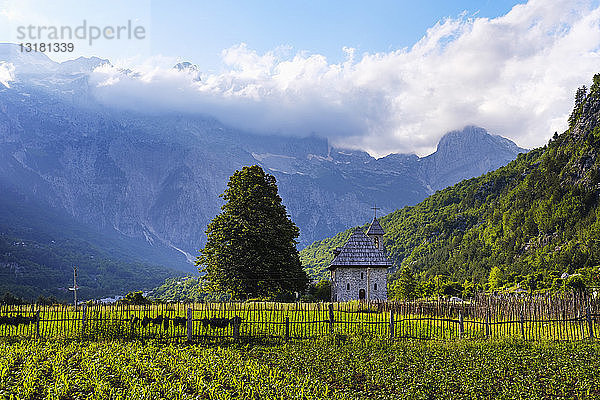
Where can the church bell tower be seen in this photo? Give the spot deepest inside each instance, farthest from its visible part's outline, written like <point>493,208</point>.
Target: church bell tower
<point>376,232</point>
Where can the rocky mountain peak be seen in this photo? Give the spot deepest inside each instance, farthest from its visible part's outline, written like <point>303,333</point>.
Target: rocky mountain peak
<point>473,138</point>
<point>82,65</point>
<point>470,149</point>
<point>26,63</point>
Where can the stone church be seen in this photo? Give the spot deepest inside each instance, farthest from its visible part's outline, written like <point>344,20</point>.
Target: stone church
<point>359,269</point>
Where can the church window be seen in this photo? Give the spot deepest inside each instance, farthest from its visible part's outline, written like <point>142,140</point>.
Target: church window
<point>376,239</point>
<point>362,275</point>
<point>347,286</point>
<point>375,287</point>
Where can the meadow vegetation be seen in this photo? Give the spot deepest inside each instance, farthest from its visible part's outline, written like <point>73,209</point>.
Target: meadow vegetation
<point>334,367</point>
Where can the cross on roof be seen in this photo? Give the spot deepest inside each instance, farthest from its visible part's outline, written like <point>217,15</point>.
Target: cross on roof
<point>375,208</point>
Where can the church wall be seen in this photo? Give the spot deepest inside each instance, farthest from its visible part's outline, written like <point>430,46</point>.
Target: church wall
<point>352,276</point>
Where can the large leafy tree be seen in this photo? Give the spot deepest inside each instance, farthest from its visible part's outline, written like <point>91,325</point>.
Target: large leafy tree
<point>405,287</point>
<point>251,247</point>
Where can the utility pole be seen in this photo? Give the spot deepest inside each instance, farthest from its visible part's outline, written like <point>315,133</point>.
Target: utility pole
<point>75,287</point>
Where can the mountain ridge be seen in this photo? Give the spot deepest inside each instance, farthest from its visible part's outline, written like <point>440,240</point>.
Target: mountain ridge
<point>85,133</point>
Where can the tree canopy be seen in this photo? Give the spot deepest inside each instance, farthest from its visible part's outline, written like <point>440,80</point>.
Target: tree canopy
<point>251,247</point>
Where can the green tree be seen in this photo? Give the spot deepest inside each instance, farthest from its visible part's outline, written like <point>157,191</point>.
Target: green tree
<point>251,247</point>
<point>47,301</point>
<point>575,283</point>
<point>11,299</point>
<point>451,288</point>
<point>531,282</point>
<point>136,298</point>
<point>469,289</point>
<point>496,278</point>
<point>580,96</point>
<point>404,288</point>
<point>320,291</point>
<point>425,288</point>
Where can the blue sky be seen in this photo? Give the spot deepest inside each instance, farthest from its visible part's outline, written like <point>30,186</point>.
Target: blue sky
<point>198,30</point>
<point>203,30</point>
<point>381,76</point>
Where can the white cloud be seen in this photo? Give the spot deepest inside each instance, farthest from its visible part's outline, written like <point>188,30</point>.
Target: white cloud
<point>514,75</point>
<point>7,73</point>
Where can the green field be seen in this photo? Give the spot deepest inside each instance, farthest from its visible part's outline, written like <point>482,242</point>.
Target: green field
<point>357,367</point>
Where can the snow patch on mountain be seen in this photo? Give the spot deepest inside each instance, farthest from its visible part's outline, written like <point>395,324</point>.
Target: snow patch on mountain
<point>320,158</point>
<point>262,157</point>
<point>7,75</point>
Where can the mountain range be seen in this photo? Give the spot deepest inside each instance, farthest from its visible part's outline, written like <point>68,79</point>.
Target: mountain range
<point>141,187</point>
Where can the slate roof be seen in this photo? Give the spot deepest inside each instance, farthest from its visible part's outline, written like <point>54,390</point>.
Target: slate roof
<point>375,228</point>
<point>359,251</point>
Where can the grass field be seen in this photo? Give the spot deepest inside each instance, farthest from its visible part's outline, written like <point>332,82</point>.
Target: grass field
<point>339,367</point>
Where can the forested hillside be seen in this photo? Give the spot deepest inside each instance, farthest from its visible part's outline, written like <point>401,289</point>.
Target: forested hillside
<point>39,246</point>
<point>529,221</point>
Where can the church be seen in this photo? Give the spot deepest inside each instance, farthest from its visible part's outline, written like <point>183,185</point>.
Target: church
<point>359,269</point>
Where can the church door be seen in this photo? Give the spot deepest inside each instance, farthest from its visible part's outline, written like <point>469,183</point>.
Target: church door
<point>361,294</point>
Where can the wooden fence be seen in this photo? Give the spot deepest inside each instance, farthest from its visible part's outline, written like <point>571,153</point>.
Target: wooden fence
<point>543,317</point>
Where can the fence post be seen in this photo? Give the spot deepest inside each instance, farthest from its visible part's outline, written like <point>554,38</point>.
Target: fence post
<point>522,323</point>
<point>37,324</point>
<point>188,327</point>
<point>392,323</point>
<point>580,323</point>
<point>487,324</point>
<point>588,317</point>
<point>287,328</point>
<point>331,321</point>
<point>461,326</point>
<point>236,328</point>
<point>83,319</point>
<point>564,321</point>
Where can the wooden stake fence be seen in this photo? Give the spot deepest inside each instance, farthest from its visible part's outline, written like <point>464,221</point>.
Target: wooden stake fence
<point>564,318</point>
